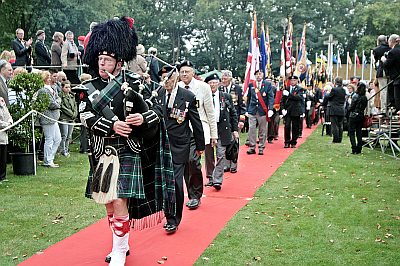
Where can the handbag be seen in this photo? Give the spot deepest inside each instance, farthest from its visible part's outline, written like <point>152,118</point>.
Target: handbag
<point>367,122</point>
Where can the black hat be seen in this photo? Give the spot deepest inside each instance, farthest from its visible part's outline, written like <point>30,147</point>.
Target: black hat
<point>186,63</point>
<point>293,77</point>
<point>165,69</point>
<point>258,70</point>
<point>116,38</point>
<point>211,77</point>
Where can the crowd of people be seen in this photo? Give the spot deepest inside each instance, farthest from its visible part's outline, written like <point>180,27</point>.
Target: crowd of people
<point>146,128</point>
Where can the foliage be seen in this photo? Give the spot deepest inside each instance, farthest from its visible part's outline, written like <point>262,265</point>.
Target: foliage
<point>26,86</point>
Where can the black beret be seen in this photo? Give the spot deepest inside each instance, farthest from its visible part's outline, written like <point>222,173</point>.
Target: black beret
<point>186,63</point>
<point>165,69</point>
<point>211,77</point>
<point>258,70</point>
<point>293,77</point>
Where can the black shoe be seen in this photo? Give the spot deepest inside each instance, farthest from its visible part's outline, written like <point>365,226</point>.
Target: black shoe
<point>233,171</point>
<point>108,258</point>
<point>193,204</point>
<point>293,145</point>
<point>217,186</point>
<point>275,138</point>
<point>260,152</point>
<point>227,169</point>
<point>165,225</point>
<point>251,152</point>
<point>270,141</point>
<point>171,228</point>
<point>209,184</point>
<point>286,146</point>
<point>300,136</point>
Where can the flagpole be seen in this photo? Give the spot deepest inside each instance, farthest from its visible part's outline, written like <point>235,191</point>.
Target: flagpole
<point>337,63</point>
<point>355,63</point>
<point>347,66</point>
<point>370,65</point>
<point>362,65</point>
<point>316,60</point>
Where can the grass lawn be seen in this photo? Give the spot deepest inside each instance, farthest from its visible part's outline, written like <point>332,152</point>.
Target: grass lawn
<point>323,206</point>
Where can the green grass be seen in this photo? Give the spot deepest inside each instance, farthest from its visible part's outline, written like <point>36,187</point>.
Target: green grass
<point>38,211</point>
<point>323,206</point>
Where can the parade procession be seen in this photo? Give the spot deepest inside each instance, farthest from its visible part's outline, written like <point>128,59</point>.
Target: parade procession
<point>212,133</point>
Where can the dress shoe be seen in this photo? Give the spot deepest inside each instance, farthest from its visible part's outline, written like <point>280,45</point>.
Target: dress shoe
<point>193,204</point>
<point>286,146</point>
<point>217,187</point>
<point>270,141</point>
<point>108,257</point>
<point>233,171</point>
<point>293,145</point>
<point>251,152</point>
<point>300,136</point>
<point>260,152</point>
<point>165,225</point>
<point>275,138</point>
<point>227,169</point>
<point>171,228</point>
<point>209,184</point>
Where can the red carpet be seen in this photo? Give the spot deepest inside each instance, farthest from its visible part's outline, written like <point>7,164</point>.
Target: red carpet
<point>198,227</point>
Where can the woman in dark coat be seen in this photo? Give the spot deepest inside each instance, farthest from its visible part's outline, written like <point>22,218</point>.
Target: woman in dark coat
<point>356,118</point>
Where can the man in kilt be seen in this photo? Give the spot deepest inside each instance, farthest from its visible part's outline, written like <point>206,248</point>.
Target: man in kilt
<point>131,163</point>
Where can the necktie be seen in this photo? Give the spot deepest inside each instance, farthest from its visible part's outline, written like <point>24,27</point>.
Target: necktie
<point>166,103</point>
<point>213,99</point>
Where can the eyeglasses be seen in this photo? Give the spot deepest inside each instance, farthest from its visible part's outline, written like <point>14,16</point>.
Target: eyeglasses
<point>64,79</point>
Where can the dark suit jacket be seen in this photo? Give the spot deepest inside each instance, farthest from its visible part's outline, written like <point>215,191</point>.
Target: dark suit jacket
<point>236,93</point>
<point>22,54</point>
<point>336,101</point>
<point>180,134</point>
<point>378,53</point>
<point>294,102</point>
<point>392,64</point>
<point>42,54</point>
<point>266,91</point>
<point>227,119</point>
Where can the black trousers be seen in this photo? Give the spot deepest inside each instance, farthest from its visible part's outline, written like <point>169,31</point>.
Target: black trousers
<point>83,139</point>
<point>394,95</point>
<point>355,133</point>
<point>301,123</point>
<point>273,126</point>
<point>193,174</point>
<point>3,161</point>
<point>337,128</point>
<point>292,124</point>
<point>179,170</point>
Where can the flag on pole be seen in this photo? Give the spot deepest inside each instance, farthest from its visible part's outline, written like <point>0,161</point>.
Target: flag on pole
<point>349,62</point>
<point>339,61</point>
<point>364,59</point>
<point>301,66</point>
<point>357,60</point>
<point>268,48</point>
<point>253,57</point>
<point>289,36</point>
<point>263,51</point>
<point>282,70</point>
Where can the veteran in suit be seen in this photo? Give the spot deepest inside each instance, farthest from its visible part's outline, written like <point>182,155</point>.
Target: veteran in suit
<point>179,109</point>
<point>43,57</point>
<point>202,91</point>
<point>293,107</point>
<point>260,104</point>
<point>226,117</point>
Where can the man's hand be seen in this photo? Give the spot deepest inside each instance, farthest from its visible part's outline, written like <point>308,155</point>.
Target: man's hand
<point>214,142</point>
<point>29,42</point>
<point>270,113</point>
<point>284,112</point>
<point>235,134</point>
<point>135,119</point>
<point>285,92</point>
<point>199,153</point>
<point>122,128</point>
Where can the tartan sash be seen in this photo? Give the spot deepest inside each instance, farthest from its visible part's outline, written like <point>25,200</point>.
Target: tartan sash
<point>101,101</point>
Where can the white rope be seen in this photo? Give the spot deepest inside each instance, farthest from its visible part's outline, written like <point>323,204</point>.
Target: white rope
<point>37,113</point>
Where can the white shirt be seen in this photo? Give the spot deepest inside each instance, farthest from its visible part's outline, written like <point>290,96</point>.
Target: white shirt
<point>216,105</point>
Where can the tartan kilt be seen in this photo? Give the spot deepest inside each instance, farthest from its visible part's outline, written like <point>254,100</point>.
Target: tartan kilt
<point>130,179</point>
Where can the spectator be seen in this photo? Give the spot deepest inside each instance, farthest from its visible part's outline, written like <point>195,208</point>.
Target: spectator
<point>69,58</point>
<point>152,66</point>
<point>56,49</point>
<point>68,114</point>
<point>6,55</point>
<point>5,75</point>
<point>381,76</point>
<point>138,65</point>
<point>391,65</point>
<point>22,49</point>
<point>50,128</point>
<point>41,50</point>
<point>5,121</point>
<point>356,118</point>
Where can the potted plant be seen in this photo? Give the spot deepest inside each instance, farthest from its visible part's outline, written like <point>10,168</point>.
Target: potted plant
<point>25,86</point>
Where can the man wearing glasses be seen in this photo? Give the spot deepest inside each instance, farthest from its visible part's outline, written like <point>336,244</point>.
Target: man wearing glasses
<point>22,49</point>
